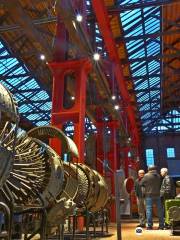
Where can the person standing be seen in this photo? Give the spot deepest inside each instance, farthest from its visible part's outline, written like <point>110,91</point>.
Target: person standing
<point>152,183</point>
<point>140,199</point>
<point>167,190</point>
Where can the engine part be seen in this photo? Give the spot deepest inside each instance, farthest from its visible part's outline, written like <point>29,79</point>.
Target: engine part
<point>64,201</point>
<point>102,193</point>
<point>97,194</point>
<point>65,204</point>
<point>36,168</point>
<point>9,118</point>
<point>174,213</point>
<point>8,106</point>
<point>46,132</point>
<point>82,185</point>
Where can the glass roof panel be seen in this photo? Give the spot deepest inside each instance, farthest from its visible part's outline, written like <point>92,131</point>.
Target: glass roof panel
<point>147,88</point>
<point>27,90</point>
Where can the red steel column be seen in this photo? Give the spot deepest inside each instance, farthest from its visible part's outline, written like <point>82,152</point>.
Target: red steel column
<point>99,141</point>
<point>100,150</point>
<point>76,114</point>
<point>112,157</point>
<point>126,161</point>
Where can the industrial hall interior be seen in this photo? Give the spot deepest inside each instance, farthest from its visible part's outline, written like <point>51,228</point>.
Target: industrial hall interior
<point>89,119</point>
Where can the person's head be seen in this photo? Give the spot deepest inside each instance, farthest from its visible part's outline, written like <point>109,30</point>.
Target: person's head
<point>141,173</point>
<point>164,172</point>
<point>152,168</point>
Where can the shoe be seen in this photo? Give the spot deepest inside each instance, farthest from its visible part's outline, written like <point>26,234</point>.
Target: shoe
<point>166,226</point>
<point>160,228</point>
<point>149,228</point>
<point>141,225</point>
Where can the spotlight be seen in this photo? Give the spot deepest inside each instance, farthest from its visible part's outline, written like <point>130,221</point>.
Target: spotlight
<point>113,97</point>
<point>96,56</point>
<point>42,57</point>
<point>116,107</point>
<point>79,17</point>
<point>72,98</point>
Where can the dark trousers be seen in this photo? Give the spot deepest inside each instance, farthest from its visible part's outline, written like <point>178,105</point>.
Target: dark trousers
<point>149,208</point>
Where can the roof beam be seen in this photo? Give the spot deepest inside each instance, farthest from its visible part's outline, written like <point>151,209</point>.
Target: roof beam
<point>40,21</point>
<point>146,36</point>
<point>155,100</point>
<point>27,25</point>
<point>21,75</point>
<point>37,111</point>
<point>148,89</point>
<point>104,26</point>
<point>127,7</point>
<point>150,58</point>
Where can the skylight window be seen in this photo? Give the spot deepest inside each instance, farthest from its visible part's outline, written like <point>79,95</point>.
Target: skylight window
<point>26,89</point>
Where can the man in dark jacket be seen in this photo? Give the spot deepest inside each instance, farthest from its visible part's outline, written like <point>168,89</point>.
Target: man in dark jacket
<point>152,184</point>
<point>167,190</point>
<point>167,187</point>
<point>140,199</point>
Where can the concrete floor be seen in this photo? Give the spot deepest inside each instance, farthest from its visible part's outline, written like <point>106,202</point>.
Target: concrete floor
<point>128,233</point>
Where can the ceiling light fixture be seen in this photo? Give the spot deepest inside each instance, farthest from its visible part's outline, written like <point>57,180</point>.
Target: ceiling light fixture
<point>96,56</point>
<point>113,97</point>
<point>116,107</point>
<point>42,57</point>
<point>79,17</point>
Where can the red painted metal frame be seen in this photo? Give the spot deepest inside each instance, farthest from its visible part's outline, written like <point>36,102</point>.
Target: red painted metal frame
<point>111,155</point>
<point>59,68</point>
<point>76,114</point>
<point>104,26</point>
<point>100,150</point>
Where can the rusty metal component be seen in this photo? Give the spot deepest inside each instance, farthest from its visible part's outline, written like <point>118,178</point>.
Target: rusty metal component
<point>36,168</point>
<point>45,132</point>
<point>6,161</point>
<point>9,119</point>
<point>97,195</point>
<point>64,204</point>
<point>102,194</point>
<point>65,200</point>
<point>174,213</point>
<point>84,188</point>
<point>8,106</point>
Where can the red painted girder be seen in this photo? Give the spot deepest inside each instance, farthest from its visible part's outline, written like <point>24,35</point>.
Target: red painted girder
<point>105,29</point>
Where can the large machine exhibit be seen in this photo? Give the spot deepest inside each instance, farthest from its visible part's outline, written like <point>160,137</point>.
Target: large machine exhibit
<point>39,190</point>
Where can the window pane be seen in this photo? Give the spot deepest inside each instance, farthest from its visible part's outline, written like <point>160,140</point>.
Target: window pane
<point>149,157</point>
<point>170,153</point>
